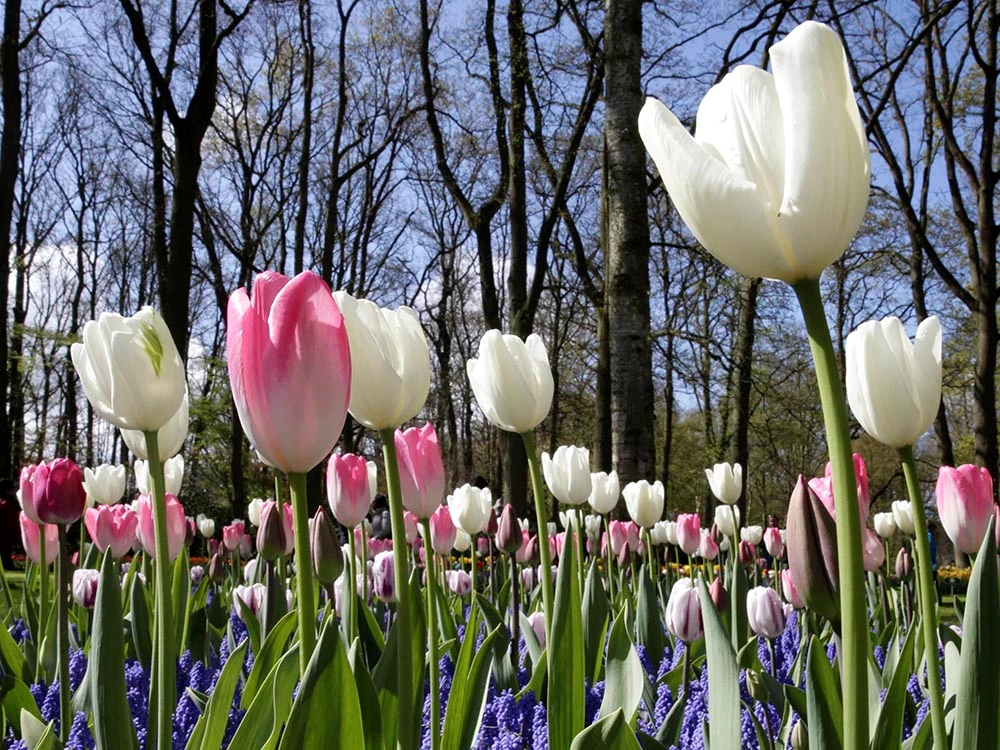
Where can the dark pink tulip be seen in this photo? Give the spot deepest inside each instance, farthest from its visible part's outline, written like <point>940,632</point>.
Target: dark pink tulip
<point>421,469</point>
<point>347,488</point>
<point>719,595</point>
<point>112,527</point>
<point>30,537</point>
<point>964,503</point>
<point>57,495</point>
<point>746,553</point>
<point>290,368</point>
<point>176,526</point>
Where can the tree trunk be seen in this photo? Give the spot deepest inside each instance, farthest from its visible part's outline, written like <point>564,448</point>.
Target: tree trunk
<point>744,383</point>
<point>603,460</point>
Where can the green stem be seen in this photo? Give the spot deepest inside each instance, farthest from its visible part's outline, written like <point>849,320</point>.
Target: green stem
<point>306,604</point>
<point>650,559</point>
<point>854,617</point>
<point>62,636</point>
<point>928,598</point>
<point>164,668</point>
<point>541,517</point>
<point>430,594</point>
<point>43,588</point>
<point>407,715</point>
<point>364,556</point>
<point>351,590</point>
<point>279,501</point>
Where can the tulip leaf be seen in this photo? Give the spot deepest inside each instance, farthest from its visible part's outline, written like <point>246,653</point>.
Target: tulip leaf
<point>623,680</point>
<point>142,636</point>
<point>738,613</point>
<point>979,680</point>
<point>371,717</point>
<point>723,677</point>
<point>267,657</point>
<point>210,730</point>
<point>16,697</point>
<point>535,649</point>
<point>181,591</point>
<point>12,657</point>
<point>467,699</point>
<point>37,734</point>
<point>327,690</point>
<point>566,702</point>
<point>106,667</point>
<point>610,733</point>
<point>889,729</point>
<point>264,719</point>
<point>823,703</point>
<point>372,640</point>
<point>503,670</point>
<point>596,613</point>
<point>649,626</point>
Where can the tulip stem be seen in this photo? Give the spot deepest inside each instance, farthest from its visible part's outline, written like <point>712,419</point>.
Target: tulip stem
<point>928,598</point>
<point>279,501</point>
<point>541,517</point>
<point>62,636</point>
<point>164,686</point>
<point>407,715</point>
<point>303,570</point>
<point>351,590</point>
<point>43,590</point>
<point>854,618</point>
<point>432,635</point>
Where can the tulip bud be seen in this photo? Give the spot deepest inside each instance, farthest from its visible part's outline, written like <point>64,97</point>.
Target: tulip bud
<point>719,595</point>
<point>904,564</point>
<point>885,524</point>
<point>800,736</point>
<point>443,531</point>
<point>532,554</point>
<point>755,686</point>
<point>85,587</point>
<point>812,551</point>
<point>383,577</point>
<point>214,546</point>
<point>347,488</point>
<point>57,495</point>
<point>253,511</point>
<point>190,531</point>
<point>684,619</point>
<point>537,622</point>
<point>874,552</point>
<point>773,542</point>
<point>327,555</point>
<point>746,553</point>
<point>623,556</point>
<point>217,567</point>
<point>689,532</point>
<point>965,505</point>
<point>206,525</point>
<point>708,548</point>
<point>509,537</point>
<point>492,525</point>
<point>272,536</point>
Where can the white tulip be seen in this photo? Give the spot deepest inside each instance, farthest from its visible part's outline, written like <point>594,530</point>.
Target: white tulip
<point>726,482</point>
<point>752,534</point>
<point>724,544</point>
<point>727,518</point>
<point>206,525</point>
<point>644,502</point>
<point>372,480</point>
<point>885,524</point>
<point>567,474</point>
<point>130,370</point>
<point>902,514</point>
<point>893,384</point>
<point>670,532</point>
<point>593,526</point>
<point>658,534</point>
<point>173,476</point>
<point>462,541</point>
<point>604,492</point>
<point>169,438</point>
<point>253,511</point>
<point>104,485</point>
<point>512,381</point>
<point>392,385</point>
<point>470,508</point>
<point>775,180</point>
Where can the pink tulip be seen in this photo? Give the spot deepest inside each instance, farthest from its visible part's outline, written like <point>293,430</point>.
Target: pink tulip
<point>410,526</point>
<point>773,542</point>
<point>85,587</point>
<point>233,535</point>
<point>442,530</point>
<point>537,622</point>
<point>176,526</point>
<point>560,540</point>
<point>874,552</point>
<point>347,488</point>
<point>708,547</point>
<point>747,553</point>
<point>632,536</point>
<point>522,552</point>
<point>689,532</point>
<point>57,494</point>
<point>791,593</point>
<point>269,507</point>
<point>375,546</point>
<point>25,494</point>
<point>290,368</point>
<point>618,535</point>
<point>30,537</point>
<point>483,546</point>
<point>823,487</point>
<point>965,505</point>
<point>112,527</point>
<point>421,469</point>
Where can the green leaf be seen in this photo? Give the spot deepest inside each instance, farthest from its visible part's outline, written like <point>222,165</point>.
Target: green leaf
<point>268,656</point>
<point>979,679</point>
<point>596,613</point>
<point>567,672</point>
<point>889,728</point>
<point>12,657</point>
<point>37,734</point>
<point>468,690</point>
<point>503,669</point>
<point>261,725</point>
<point>371,716</point>
<point>610,733</point>
<point>181,591</point>
<point>326,712</point>
<point>211,727</point>
<point>623,679</point>
<point>824,708</point>
<point>142,634</point>
<point>649,625</point>
<point>16,699</point>
<point>738,594</point>
<point>106,668</point>
<point>723,677</point>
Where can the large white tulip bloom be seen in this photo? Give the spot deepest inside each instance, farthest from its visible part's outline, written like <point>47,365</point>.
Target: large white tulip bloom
<point>644,502</point>
<point>893,384</point>
<point>775,180</point>
<point>104,485</point>
<point>391,371</point>
<point>567,474</point>
<point>726,482</point>
<point>512,381</point>
<point>604,492</point>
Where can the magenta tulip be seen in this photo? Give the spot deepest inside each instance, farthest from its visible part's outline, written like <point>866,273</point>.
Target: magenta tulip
<point>442,530</point>
<point>347,488</point>
<point>57,493</point>
<point>30,537</point>
<point>176,525</point>
<point>965,505</point>
<point>112,527</point>
<point>290,368</point>
<point>689,532</point>
<point>421,469</point>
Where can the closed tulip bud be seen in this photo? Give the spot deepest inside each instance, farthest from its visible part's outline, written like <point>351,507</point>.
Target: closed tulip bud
<point>509,537</point>
<point>791,593</point>
<point>752,534</point>
<point>512,381</point>
<point>214,546</point>
<point>708,548</point>
<point>965,505</point>
<point>383,577</point>
<point>532,552</point>
<point>493,524</point>
<point>324,546</point>
<point>623,555</point>
<point>410,527</point>
<point>130,370</point>
<point>726,482</point>
<point>252,597</point>
<point>885,524</point>
<point>483,546</point>
<point>537,622</point>
<point>604,492</point>
<point>276,536</point>
<point>893,384</point>
<point>765,612</point>
<point>31,533</point>
<point>684,620</point>
<point>904,563</point>
<point>197,574</point>
<point>176,526</point>
<point>800,736</point>
<point>727,518</point>
<point>644,502</point>
<point>190,532</point>
<point>253,511</point>
<point>719,595</point>
<point>442,531</point>
<point>85,587</point>
<point>206,525</point>
<point>347,488</point>
<point>874,552</point>
<point>57,495</point>
<point>688,532</point>
<point>812,552</point>
<point>567,474</point>
<point>528,580</point>
<point>105,485</point>
<point>217,567</point>
<point>459,582</point>
<point>902,514</point>
<point>773,542</point>
<point>112,527</point>
<point>746,553</point>
<point>421,469</point>
<point>470,508</point>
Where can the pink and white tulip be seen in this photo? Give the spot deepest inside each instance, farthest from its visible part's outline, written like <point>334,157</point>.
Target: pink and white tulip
<point>421,469</point>
<point>348,489</point>
<point>965,505</point>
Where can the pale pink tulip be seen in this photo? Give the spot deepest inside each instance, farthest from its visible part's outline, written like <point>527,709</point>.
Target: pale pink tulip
<point>791,593</point>
<point>689,532</point>
<point>176,526</point>
<point>618,536</point>
<point>347,488</point>
<point>773,542</point>
<point>874,552</point>
<point>410,526</point>
<point>26,491</point>
<point>442,530</point>
<point>233,535</point>
<point>965,505</point>
<point>823,487</point>
<point>112,527</point>
<point>708,548</point>
<point>30,537</point>
<point>421,469</point>
<point>765,612</point>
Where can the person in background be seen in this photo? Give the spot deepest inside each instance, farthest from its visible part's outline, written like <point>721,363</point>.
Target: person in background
<point>381,521</point>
